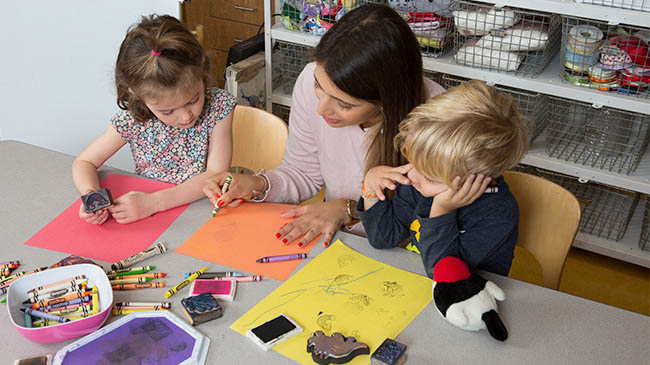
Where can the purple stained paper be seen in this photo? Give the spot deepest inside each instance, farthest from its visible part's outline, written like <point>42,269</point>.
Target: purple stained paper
<point>140,341</point>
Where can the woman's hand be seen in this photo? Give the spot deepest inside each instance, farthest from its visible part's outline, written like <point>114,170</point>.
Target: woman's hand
<point>241,187</point>
<point>133,206</point>
<point>313,220</point>
<point>454,198</point>
<point>379,178</point>
<point>96,217</point>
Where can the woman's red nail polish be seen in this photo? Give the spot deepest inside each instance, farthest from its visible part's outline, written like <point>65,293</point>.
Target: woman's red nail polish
<point>220,203</point>
<point>284,240</point>
<point>277,235</point>
<point>300,244</point>
<point>326,243</point>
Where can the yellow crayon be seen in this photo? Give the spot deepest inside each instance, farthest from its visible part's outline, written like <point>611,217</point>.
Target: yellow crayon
<point>95,300</point>
<point>80,310</point>
<point>184,283</point>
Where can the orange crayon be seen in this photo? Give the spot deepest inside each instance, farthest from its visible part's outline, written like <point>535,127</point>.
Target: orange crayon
<point>139,286</point>
<point>45,303</point>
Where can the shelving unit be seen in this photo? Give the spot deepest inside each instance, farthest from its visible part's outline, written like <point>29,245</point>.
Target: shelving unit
<point>550,83</point>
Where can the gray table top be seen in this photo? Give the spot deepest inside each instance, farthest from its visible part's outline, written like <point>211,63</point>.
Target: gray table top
<point>545,326</point>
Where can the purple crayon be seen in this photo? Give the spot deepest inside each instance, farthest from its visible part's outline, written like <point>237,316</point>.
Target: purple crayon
<point>48,316</point>
<point>296,256</point>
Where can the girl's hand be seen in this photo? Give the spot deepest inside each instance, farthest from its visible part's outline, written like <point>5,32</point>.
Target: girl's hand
<point>379,178</point>
<point>241,187</point>
<point>97,217</point>
<point>313,220</point>
<point>454,198</point>
<point>133,206</point>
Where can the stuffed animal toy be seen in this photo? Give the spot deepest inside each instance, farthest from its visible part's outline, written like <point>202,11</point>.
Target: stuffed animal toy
<point>467,300</point>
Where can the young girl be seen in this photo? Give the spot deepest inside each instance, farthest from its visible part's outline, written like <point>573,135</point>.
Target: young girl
<point>178,131</point>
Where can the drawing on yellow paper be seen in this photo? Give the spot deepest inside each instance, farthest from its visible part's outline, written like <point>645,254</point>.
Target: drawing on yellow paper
<point>343,291</point>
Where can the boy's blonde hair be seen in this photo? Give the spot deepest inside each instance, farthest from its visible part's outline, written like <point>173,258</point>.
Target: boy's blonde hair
<point>470,129</point>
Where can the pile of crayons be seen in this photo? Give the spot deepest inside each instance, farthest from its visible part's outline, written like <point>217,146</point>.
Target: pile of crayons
<point>60,302</point>
<point>132,307</point>
<point>135,278</point>
<point>7,276</point>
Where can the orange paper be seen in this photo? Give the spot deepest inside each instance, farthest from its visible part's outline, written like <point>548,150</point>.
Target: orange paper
<point>236,237</point>
<point>110,241</point>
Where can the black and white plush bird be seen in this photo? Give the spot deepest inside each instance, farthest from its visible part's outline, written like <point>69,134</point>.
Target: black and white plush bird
<point>467,300</point>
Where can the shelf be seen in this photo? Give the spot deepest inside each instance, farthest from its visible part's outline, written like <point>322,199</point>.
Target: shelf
<point>570,7</point>
<point>280,97</point>
<point>638,181</point>
<point>627,249</point>
<point>548,82</point>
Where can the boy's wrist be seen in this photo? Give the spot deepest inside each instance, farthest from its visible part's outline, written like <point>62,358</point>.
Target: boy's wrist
<point>437,211</point>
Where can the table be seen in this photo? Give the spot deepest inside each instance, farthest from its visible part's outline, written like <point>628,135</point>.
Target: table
<point>545,326</point>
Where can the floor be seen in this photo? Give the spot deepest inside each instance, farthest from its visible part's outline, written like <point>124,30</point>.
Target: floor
<point>598,278</point>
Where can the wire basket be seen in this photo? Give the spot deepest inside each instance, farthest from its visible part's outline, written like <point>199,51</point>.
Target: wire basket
<point>604,138</point>
<point>281,111</point>
<point>611,58</point>
<point>643,5</point>
<point>531,104</point>
<point>434,76</point>
<point>605,210</point>
<point>288,61</point>
<point>316,16</point>
<point>431,22</point>
<point>503,39</point>
<point>645,226</point>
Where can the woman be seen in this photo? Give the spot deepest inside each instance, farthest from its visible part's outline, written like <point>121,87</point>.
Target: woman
<point>346,108</point>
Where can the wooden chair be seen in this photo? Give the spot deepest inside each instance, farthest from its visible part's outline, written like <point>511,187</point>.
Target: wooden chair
<point>259,138</point>
<point>549,216</point>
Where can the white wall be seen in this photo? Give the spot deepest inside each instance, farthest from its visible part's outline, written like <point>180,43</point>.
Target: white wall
<point>57,60</point>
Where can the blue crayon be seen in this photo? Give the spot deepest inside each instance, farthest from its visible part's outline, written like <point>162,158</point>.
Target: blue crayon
<point>44,315</point>
<point>87,298</point>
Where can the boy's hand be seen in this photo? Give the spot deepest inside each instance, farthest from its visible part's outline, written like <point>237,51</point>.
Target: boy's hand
<point>133,206</point>
<point>379,178</point>
<point>97,217</point>
<point>454,198</point>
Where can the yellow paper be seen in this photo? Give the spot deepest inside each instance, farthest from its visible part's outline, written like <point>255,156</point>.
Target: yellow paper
<point>342,291</point>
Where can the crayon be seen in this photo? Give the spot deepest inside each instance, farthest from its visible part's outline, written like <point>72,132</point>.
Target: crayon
<point>120,311</point>
<point>10,263</point>
<point>44,315</point>
<point>59,283</point>
<point>143,304</point>
<point>59,300</point>
<point>14,276</point>
<point>138,286</point>
<point>85,299</point>
<point>214,274</point>
<point>127,273</point>
<point>4,290</point>
<point>28,320</point>
<point>144,307</point>
<point>184,283</point>
<point>46,322</point>
<point>87,309</point>
<point>157,249</point>
<point>130,281</point>
<point>36,296</point>
<point>130,269</point>
<point>9,266</point>
<point>297,256</point>
<point>4,300</point>
<point>95,296</point>
<point>153,275</point>
<point>237,278</point>
<point>224,189</point>
<point>71,306</point>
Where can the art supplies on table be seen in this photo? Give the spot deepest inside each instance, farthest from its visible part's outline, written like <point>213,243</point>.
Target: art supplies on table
<point>122,311</point>
<point>157,249</point>
<point>73,260</point>
<point>273,332</point>
<point>96,200</point>
<point>335,349</point>
<point>220,289</point>
<point>224,189</point>
<point>144,304</point>
<point>130,281</point>
<point>369,286</point>
<point>152,285</point>
<point>201,308</point>
<point>390,352</point>
<point>215,274</point>
<point>130,271</point>
<point>228,240</point>
<point>111,241</point>
<point>152,275</point>
<point>296,256</point>
<point>184,283</point>
<point>78,311</point>
<point>237,278</point>
<point>139,338</point>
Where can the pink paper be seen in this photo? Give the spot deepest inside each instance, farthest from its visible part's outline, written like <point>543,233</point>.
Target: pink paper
<point>111,241</point>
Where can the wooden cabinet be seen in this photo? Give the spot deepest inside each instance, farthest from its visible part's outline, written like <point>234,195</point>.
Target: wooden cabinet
<point>225,23</point>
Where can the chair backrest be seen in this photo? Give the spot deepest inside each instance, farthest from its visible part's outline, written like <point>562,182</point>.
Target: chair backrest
<point>259,138</point>
<point>549,216</point>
